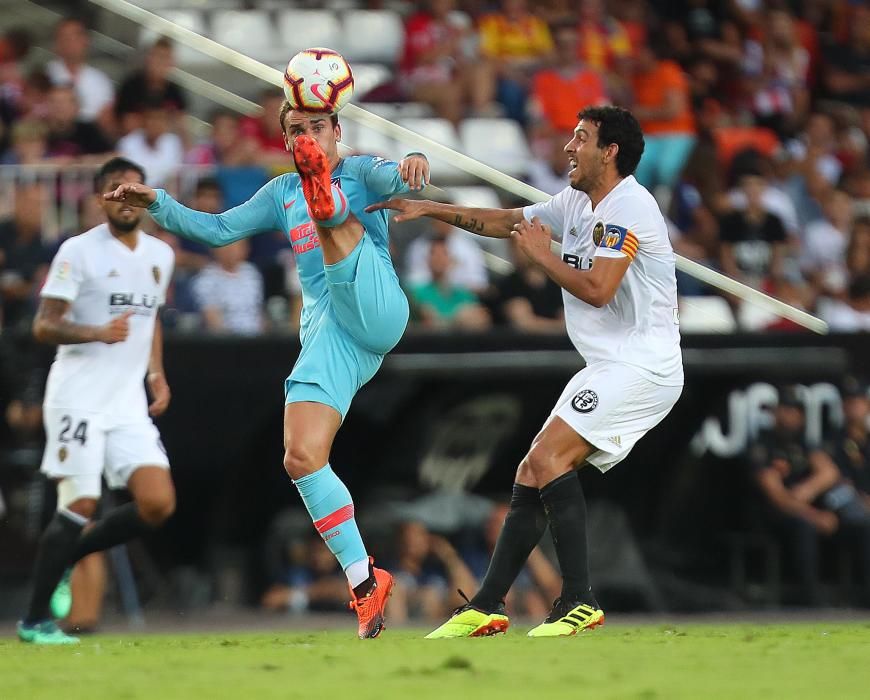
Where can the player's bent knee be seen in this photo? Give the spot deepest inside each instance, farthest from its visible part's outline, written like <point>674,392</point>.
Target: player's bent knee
<point>544,465</point>
<point>300,461</point>
<point>156,508</point>
<point>86,507</point>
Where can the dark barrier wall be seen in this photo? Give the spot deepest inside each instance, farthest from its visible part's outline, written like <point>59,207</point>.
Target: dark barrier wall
<point>459,411</point>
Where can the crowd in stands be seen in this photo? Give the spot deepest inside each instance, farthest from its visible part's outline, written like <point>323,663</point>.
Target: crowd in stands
<point>756,116</point>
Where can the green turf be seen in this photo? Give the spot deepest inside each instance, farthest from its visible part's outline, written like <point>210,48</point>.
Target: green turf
<point>683,661</point>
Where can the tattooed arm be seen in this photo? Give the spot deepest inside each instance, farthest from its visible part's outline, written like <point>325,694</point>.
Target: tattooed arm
<point>493,223</point>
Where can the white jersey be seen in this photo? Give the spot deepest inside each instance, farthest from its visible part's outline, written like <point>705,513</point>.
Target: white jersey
<point>640,325</point>
<point>102,278</point>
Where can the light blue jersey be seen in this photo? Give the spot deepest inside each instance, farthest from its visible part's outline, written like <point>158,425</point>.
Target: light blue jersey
<point>353,312</point>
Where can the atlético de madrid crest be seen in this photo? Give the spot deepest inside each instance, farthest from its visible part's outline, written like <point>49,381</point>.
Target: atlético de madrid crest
<point>156,272</point>
<point>598,233</point>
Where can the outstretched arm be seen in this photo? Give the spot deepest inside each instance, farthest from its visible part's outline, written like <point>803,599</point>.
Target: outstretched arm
<point>493,223</point>
<point>259,213</point>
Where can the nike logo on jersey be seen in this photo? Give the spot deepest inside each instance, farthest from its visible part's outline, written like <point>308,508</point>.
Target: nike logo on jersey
<point>289,204</point>
<point>114,273</point>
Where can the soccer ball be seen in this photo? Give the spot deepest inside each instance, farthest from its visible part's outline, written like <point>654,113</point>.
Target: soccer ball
<point>318,80</point>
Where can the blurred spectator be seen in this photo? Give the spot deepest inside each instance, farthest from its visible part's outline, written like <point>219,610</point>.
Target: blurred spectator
<point>33,100</point>
<point>549,172</point>
<point>705,26</point>
<point>442,303</point>
<point>439,65</point>
<point>14,47</point>
<point>28,143</point>
<point>853,314</point>
<point>823,256</point>
<point>92,87</point>
<point>662,105</point>
<point>70,138</point>
<point>562,90</point>
<point>151,85</point>
<point>229,292</point>
<point>518,43</point>
<point>23,257</point>
<point>850,447</point>
<point>812,165</point>
<point>773,196</point>
<point>776,71</point>
<point>265,130</point>
<point>468,268</point>
<point>226,147</point>
<point>695,202</point>
<point>603,39</point>
<point>793,477</point>
<point>538,582</point>
<point>753,240</point>
<point>428,572</point>
<point>858,252</point>
<point>311,582</point>
<point>159,151</point>
<point>847,65</point>
<point>529,300</point>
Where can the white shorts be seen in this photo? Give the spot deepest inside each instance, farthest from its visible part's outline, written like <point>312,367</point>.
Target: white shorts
<point>87,446</point>
<point>612,406</point>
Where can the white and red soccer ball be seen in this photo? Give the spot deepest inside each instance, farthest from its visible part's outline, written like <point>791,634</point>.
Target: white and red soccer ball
<point>318,80</point>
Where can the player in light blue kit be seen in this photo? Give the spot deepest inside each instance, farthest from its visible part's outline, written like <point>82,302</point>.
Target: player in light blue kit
<point>354,310</point>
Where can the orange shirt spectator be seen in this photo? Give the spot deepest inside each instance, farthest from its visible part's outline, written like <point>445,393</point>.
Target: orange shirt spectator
<point>524,37</point>
<point>654,88</point>
<point>560,97</point>
<point>559,92</point>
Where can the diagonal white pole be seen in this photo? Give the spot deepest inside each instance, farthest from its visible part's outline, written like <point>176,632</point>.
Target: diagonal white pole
<point>471,166</point>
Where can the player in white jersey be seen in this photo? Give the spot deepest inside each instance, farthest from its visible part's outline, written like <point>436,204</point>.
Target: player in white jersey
<point>617,272</point>
<point>100,306</point>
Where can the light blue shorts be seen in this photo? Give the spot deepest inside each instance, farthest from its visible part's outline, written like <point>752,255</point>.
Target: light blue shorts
<point>343,348</point>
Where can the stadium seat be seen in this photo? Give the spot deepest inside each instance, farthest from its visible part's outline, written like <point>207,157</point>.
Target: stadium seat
<point>441,131</point>
<point>321,29</point>
<point>397,110</point>
<point>372,35</point>
<point>363,140</point>
<point>475,196</point>
<point>155,5</point>
<point>194,20</point>
<point>499,143</point>
<point>249,31</point>
<point>367,76</point>
<point>706,315</point>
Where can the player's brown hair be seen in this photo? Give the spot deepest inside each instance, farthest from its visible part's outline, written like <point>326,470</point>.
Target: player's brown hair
<point>286,107</point>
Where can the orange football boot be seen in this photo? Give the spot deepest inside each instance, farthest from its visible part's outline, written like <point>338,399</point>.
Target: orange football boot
<point>370,607</point>
<point>313,168</point>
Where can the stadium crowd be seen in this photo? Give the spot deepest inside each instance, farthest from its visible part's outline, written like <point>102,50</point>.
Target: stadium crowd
<point>757,124</point>
<point>756,115</point>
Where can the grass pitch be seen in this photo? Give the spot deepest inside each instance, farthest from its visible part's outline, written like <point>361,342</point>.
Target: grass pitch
<point>652,661</point>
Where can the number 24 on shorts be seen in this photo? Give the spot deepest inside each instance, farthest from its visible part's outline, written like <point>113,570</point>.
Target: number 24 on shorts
<point>80,433</point>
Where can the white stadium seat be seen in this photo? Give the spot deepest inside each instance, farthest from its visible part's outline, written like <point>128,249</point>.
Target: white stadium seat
<point>499,143</point>
<point>372,35</point>
<point>155,5</point>
<point>368,76</point>
<point>441,131</point>
<point>249,31</point>
<point>475,196</point>
<point>194,20</point>
<point>706,315</point>
<point>365,141</point>
<point>304,29</point>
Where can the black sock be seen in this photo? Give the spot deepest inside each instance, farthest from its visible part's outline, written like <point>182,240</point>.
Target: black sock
<point>55,553</point>
<point>565,507</point>
<point>521,532</point>
<point>118,526</point>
